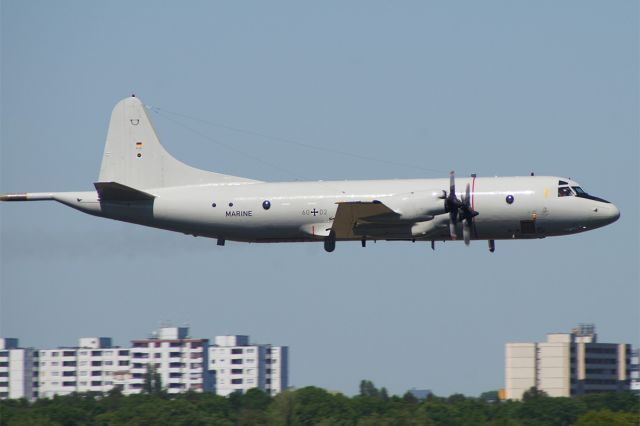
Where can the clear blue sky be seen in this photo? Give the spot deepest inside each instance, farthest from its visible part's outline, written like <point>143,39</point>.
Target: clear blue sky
<point>493,87</point>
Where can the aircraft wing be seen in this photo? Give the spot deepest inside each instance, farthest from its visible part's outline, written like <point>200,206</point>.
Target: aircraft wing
<point>351,213</point>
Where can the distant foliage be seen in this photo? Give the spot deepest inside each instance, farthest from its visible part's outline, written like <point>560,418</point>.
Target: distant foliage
<point>315,406</point>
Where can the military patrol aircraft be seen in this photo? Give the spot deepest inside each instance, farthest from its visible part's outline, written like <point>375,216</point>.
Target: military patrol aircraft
<point>141,183</point>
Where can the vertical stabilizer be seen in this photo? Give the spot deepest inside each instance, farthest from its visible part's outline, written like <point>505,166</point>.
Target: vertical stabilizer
<point>133,155</point>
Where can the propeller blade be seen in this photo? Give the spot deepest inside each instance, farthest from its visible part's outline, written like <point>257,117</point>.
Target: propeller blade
<point>452,230</point>
<point>466,231</point>
<point>452,184</point>
<point>467,198</point>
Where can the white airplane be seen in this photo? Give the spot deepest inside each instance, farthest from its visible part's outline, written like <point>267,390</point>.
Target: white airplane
<point>141,183</point>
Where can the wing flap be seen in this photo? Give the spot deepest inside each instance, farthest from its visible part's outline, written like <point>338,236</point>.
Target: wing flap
<point>351,213</point>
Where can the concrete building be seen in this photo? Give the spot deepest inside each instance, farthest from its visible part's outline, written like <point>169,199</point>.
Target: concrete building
<point>180,360</point>
<point>93,366</point>
<point>17,371</point>
<point>567,364</point>
<point>239,365</point>
<point>635,371</point>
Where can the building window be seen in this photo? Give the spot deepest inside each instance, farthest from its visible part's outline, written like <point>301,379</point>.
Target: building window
<point>96,363</point>
<point>236,381</point>
<point>123,363</point>
<point>96,353</point>
<point>69,353</point>
<point>236,371</point>
<point>68,363</point>
<point>96,373</point>
<point>236,351</point>
<point>123,353</point>
<point>96,383</point>
<point>236,361</point>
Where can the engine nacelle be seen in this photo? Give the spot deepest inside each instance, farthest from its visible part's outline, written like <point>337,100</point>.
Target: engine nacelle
<point>412,207</point>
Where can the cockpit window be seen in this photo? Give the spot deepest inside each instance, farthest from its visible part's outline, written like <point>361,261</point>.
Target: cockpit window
<point>564,191</point>
<point>579,191</point>
<point>561,182</point>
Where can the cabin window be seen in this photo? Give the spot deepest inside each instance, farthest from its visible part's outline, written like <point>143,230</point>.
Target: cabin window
<point>509,199</point>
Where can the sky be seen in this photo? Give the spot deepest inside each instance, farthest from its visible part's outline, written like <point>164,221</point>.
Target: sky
<point>380,89</point>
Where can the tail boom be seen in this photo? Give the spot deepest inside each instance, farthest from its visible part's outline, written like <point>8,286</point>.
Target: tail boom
<point>27,196</point>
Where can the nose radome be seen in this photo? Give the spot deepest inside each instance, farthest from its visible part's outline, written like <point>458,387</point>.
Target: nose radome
<point>613,213</point>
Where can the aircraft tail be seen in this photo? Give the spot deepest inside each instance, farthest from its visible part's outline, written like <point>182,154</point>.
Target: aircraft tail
<point>134,157</point>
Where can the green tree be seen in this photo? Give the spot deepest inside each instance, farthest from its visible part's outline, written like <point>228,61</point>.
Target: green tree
<point>367,388</point>
<point>608,418</point>
<point>281,411</point>
<point>152,381</point>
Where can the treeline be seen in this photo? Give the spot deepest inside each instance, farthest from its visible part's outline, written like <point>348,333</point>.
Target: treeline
<point>315,406</point>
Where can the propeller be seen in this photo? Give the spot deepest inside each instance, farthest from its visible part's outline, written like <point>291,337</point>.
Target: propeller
<point>467,214</point>
<point>459,209</point>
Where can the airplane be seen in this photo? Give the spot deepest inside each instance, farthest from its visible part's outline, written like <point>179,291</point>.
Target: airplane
<point>141,183</point>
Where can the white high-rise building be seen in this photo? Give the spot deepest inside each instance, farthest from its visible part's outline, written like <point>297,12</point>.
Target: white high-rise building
<point>239,365</point>
<point>180,360</point>
<point>16,370</point>
<point>635,371</point>
<point>93,366</point>
<point>567,364</point>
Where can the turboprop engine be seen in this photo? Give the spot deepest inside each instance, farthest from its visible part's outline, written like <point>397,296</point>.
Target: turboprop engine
<point>412,207</point>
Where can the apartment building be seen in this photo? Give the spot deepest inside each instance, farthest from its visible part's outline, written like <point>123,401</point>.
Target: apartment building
<point>239,365</point>
<point>180,361</point>
<point>16,370</point>
<point>93,366</point>
<point>567,364</point>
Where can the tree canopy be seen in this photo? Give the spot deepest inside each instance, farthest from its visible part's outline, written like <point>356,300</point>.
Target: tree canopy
<point>315,406</point>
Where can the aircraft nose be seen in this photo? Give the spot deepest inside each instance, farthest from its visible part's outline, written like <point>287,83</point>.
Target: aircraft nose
<point>608,213</point>
<point>613,213</point>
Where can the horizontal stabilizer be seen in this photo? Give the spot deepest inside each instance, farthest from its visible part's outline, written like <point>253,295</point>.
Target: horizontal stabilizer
<point>114,191</point>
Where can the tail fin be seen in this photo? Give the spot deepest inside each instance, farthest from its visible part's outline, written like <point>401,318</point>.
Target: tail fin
<point>133,155</point>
